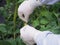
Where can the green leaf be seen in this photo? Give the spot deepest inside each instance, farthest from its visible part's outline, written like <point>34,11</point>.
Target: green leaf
<point>47,14</point>
<point>20,1</point>
<point>3,28</point>
<point>42,27</point>
<point>35,23</point>
<point>19,41</point>
<point>2,25</point>
<point>44,21</point>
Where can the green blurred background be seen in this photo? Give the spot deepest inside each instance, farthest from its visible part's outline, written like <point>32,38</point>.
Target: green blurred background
<point>43,18</point>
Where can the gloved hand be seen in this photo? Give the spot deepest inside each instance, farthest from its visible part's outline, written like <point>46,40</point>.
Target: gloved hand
<point>27,7</point>
<point>27,34</point>
<point>24,11</point>
<point>30,36</point>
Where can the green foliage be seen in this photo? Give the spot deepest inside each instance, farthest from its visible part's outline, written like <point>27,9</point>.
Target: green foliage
<point>46,18</point>
<point>43,18</point>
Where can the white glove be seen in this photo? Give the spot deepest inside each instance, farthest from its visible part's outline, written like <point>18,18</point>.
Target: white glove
<point>24,11</point>
<point>27,34</point>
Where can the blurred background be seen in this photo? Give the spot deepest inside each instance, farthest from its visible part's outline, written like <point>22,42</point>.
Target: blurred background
<point>43,18</point>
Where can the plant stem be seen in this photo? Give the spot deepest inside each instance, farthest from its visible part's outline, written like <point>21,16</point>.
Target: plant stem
<point>14,19</point>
